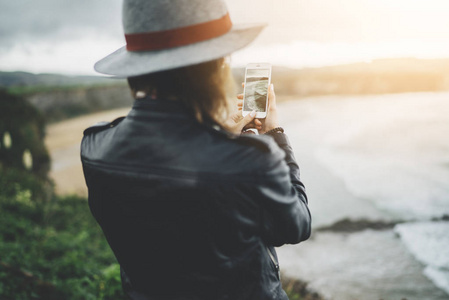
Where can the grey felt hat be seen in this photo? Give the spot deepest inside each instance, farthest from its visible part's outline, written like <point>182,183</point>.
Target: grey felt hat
<point>168,34</point>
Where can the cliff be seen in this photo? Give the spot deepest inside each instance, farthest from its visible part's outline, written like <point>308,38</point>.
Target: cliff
<point>60,104</point>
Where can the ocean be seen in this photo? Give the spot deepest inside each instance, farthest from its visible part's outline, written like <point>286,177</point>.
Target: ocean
<point>380,158</point>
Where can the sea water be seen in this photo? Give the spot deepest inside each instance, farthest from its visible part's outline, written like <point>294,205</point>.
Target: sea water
<point>429,243</point>
<point>394,151</point>
<point>391,152</point>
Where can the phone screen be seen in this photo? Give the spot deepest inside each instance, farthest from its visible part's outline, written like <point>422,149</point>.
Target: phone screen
<point>256,90</point>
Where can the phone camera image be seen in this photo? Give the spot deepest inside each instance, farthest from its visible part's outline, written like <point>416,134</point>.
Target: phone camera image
<point>256,90</point>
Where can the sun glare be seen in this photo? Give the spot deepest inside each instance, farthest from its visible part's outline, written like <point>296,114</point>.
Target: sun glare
<point>299,33</point>
<point>323,32</point>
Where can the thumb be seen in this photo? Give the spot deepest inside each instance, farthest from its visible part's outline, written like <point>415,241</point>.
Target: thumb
<point>248,118</point>
<point>271,97</point>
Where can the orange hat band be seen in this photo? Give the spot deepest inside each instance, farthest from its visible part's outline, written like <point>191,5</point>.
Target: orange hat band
<point>178,37</point>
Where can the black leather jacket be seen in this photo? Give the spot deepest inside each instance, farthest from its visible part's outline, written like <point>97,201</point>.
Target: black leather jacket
<point>192,212</point>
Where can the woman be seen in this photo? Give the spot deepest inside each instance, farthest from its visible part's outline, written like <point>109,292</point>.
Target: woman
<point>191,208</point>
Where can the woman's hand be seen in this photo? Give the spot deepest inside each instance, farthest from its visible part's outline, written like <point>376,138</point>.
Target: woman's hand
<point>271,121</point>
<point>236,123</point>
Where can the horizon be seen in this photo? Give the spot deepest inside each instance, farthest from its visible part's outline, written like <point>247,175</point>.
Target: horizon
<point>233,66</point>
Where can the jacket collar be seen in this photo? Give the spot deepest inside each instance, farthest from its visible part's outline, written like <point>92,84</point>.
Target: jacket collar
<point>148,103</point>
<point>172,108</point>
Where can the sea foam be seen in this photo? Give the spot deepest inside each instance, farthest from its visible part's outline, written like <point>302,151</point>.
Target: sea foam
<point>429,243</point>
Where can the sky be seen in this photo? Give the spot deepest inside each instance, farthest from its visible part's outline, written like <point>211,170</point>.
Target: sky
<point>66,36</point>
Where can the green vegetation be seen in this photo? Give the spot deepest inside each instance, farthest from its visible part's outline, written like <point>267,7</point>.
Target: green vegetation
<point>35,89</point>
<point>50,246</point>
<point>297,290</point>
<point>58,103</point>
<point>25,79</point>
<point>27,90</point>
<point>58,97</point>
<point>51,249</point>
<point>22,130</point>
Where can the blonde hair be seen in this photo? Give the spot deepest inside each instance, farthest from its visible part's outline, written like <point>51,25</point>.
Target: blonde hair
<point>202,87</point>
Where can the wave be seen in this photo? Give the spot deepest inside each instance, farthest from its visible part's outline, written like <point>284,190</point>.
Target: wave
<point>429,243</point>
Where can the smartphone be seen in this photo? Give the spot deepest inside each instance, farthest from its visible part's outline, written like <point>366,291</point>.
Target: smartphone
<point>255,93</point>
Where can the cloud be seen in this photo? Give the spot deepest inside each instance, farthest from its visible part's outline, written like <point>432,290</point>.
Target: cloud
<point>75,57</point>
<point>25,22</point>
<point>68,36</point>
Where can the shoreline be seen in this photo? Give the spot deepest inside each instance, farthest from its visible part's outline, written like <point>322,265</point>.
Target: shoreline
<point>297,289</point>
<point>348,225</point>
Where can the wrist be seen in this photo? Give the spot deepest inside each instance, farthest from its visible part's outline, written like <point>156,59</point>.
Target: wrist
<point>275,130</point>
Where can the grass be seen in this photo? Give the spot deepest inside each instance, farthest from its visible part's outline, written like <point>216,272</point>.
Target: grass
<point>52,249</point>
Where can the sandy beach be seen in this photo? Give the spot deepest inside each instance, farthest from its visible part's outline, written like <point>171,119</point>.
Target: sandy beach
<point>63,142</point>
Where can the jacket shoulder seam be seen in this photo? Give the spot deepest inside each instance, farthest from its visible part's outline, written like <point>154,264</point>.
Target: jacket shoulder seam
<point>100,126</point>
<point>179,174</point>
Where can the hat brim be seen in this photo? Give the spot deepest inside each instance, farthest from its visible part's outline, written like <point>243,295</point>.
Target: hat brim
<point>123,63</point>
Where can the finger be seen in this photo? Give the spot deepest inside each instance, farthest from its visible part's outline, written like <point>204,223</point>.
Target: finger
<point>256,123</point>
<point>253,127</point>
<point>243,84</point>
<point>236,117</point>
<point>240,96</point>
<point>271,98</point>
<point>248,132</point>
<point>253,124</point>
<point>248,118</point>
<point>239,104</point>
<point>249,125</point>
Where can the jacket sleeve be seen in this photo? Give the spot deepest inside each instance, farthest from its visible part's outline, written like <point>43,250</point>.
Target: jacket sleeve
<point>285,214</point>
